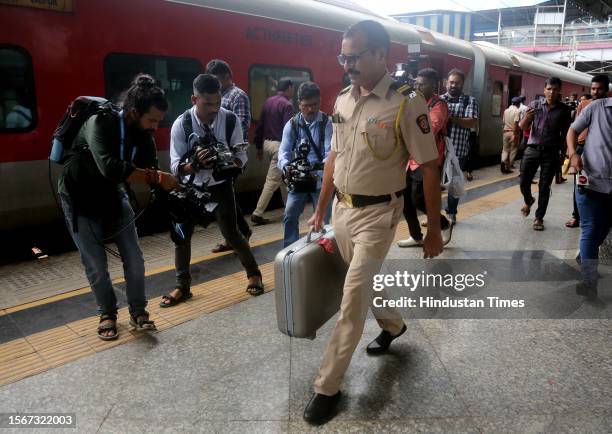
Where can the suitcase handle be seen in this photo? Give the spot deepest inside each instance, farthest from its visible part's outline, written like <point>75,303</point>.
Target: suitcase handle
<point>311,230</point>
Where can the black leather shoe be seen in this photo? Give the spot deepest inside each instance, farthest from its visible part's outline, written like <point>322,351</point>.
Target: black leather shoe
<point>321,408</point>
<point>381,344</point>
<point>257,221</point>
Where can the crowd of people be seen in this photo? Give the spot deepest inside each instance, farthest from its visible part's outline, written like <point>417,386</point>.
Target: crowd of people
<point>407,134</point>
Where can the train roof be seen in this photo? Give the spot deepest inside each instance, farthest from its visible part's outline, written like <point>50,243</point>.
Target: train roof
<point>329,14</point>
<point>506,58</point>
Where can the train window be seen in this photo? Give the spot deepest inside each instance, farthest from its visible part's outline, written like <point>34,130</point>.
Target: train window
<point>175,75</point>
<point>496,98</point>
<point>263,80</point>
<point>17,95</point>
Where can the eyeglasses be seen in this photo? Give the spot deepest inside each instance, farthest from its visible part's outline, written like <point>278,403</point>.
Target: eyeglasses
<point>350,58</point>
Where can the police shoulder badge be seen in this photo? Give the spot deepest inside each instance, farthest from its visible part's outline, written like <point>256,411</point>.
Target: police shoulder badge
<point>423,123</point>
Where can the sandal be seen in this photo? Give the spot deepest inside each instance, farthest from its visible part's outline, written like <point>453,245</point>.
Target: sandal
<point>526,209</point>
<point>538,225</point>
<point>109,327</point>
<point>572,223</point>
<point>255,289</point>
<point>173,301</point>
<point>222,247</point>
<point>141,322</point>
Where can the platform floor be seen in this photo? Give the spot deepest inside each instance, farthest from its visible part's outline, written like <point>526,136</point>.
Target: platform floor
<point>224,367</point>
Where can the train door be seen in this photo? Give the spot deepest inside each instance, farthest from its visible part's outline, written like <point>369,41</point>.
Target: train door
<point>514,87</point>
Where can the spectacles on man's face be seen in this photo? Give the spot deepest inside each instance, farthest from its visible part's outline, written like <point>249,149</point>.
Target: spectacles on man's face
<point>351,59</point>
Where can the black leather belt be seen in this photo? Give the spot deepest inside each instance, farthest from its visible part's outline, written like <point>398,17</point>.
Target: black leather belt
<point>359,200</point>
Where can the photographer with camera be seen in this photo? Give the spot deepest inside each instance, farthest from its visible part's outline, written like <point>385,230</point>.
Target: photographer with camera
<point>305,146</point>
<point>113,148</point>
<point>205,134</point>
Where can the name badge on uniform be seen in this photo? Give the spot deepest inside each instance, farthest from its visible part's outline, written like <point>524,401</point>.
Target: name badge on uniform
<point>337,119</point>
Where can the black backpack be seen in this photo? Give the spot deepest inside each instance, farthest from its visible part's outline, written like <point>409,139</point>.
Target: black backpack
<point>79,110</point>
<point>318,147</point>
<point>230,124</point>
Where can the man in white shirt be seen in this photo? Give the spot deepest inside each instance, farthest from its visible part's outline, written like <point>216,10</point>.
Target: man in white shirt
<point>207,117</point>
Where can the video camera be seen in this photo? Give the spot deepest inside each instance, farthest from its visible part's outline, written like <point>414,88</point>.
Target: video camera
<point>299,173</point>
<point>224,167</point>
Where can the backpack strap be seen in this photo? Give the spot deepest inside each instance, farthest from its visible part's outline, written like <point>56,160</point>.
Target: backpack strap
<point>187,124</point>
<point>230,124</point>
<point>322,126</point>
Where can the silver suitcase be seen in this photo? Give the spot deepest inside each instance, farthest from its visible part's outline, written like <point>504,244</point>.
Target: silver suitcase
<point>308,285</point>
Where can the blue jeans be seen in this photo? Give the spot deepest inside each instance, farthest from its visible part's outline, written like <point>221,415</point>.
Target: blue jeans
<point>595,221</point>
<point>89,240</point>
<point>294,208</point>
<point>452,202</point>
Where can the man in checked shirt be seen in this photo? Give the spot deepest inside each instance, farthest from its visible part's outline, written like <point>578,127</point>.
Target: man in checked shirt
<point>237,101</point>
<point>463,115</point>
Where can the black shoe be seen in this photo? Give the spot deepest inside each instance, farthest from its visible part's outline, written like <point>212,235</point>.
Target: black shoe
<point>587,289</point>
<point>257,221</point>
<point>381,344</point>
<point>321,408</point>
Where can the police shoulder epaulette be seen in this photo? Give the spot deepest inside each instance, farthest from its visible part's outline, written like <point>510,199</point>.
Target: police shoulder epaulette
<point>403,89</point>
<point>345,90</point>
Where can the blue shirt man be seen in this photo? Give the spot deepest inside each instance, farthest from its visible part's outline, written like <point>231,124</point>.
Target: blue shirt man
<point>294,133</point>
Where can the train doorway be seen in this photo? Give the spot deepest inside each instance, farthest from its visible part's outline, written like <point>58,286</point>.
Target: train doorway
<point>514,87</point>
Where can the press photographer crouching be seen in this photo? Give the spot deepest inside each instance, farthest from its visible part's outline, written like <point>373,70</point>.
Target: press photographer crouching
<point>305,146</point>
<point>114,147</point>
<point>205,153</point>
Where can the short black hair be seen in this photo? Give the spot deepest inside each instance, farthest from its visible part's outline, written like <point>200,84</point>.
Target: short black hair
<point>375,33</point>
<point>218,67</point>
<point>308,90</point>
<point>586,96</point>
<point>603,79</point>
<point>144,93</point>
<point>429,73</point>
<point>456,71</point>
<point>284,84</point>
<point>553,81</point>
<point>206,83</point>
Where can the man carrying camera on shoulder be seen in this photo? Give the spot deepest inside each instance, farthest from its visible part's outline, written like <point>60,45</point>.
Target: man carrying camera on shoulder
<point>304,148</point>
<point>207,133</point>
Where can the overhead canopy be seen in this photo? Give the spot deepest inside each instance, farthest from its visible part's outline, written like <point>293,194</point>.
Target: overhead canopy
<point>598,8</point>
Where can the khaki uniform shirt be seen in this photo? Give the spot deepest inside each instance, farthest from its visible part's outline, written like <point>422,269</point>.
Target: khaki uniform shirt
<point>362,120</point>
<point>511,115</point>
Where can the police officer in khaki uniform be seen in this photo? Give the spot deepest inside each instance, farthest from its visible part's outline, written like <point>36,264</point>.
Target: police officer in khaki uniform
<point>376,125</point>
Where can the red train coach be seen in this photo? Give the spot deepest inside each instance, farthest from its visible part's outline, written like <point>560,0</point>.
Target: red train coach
<point>53,51</point>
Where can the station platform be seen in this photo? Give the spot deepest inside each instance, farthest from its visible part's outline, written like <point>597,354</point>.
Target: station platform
<point>219,364</point>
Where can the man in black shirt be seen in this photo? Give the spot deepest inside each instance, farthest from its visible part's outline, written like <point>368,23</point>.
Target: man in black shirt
<point>549,120</point>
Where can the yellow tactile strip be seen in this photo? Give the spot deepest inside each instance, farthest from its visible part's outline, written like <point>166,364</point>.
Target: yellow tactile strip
<point>42,351</point>
<point>39,352</point>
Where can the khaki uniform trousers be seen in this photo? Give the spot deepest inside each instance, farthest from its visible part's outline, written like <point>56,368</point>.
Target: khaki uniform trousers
<point>274,178</point>
<point>510,147</point>
<point>364,236</point>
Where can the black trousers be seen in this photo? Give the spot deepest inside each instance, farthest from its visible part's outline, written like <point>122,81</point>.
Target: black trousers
<point>225,215</point>
<point>547,160</point>
<point>414,199</point>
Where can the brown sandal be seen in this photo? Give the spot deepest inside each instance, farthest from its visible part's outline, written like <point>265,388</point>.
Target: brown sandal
<point>108,327</point>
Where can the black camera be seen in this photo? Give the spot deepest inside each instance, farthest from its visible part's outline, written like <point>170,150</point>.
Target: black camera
<point>222,156</point>
<point>187,203</point>
<point>299,173</point>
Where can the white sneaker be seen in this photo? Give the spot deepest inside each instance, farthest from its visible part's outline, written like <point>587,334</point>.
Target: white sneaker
<point>447,234</point>
<point>409,242</point>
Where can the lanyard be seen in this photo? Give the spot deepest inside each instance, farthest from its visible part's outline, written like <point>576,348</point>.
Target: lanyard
<point>122,138</point>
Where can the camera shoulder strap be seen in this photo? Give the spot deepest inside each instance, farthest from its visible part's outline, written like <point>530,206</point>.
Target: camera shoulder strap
<point>311,141</point>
